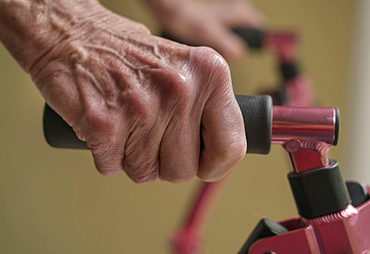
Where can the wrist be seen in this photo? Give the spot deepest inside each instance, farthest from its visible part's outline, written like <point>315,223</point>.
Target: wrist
<point>30,29</point>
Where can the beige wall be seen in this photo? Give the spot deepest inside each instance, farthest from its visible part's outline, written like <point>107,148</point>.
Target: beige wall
<point>53,201</point>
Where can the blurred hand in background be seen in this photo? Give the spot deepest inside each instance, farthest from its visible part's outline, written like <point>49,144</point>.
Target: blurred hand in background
<point>208,23</point>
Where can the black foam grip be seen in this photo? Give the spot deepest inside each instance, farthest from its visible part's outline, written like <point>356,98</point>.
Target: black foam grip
<point>58,133</point>
<point>252,37</point>
<point>256,113</point>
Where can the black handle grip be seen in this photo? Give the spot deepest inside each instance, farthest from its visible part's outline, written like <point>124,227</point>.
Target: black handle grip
<point>58,133</point>
<point>256,112</point>
<point>252,37</point>
<point>257,116</point>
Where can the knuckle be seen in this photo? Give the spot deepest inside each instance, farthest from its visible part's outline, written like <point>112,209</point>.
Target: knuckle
<point>212,65</point>
<point>211,57</point>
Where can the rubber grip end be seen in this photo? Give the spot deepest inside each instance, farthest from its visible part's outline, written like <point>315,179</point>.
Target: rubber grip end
<point>257,115</point>
<point>58,133</point>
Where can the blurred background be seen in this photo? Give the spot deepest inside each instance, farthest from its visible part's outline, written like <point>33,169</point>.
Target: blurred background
<point>54,201</point>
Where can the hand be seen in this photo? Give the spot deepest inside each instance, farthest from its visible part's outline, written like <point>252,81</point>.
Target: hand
<point>208,23</point>
<point>143,104</point>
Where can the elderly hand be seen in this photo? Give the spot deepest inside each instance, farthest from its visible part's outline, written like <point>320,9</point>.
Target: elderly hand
<point>144,105</point>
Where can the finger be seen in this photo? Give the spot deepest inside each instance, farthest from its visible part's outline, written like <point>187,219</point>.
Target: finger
<point>180,150</point>
<point>108,159</point>
<point>105,138</point>
<point>101,127</point>
<point>223,135</point>
<point>141,162</point>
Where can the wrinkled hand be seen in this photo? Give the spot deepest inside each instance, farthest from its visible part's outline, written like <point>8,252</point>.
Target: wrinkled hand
<point>208,23</point>
<point>143,104</point>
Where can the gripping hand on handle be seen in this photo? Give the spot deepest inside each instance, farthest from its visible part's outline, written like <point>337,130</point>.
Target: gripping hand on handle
<point>143,104</point>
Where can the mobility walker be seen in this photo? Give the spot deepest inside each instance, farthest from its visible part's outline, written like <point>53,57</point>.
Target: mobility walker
<point>334,216</point>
